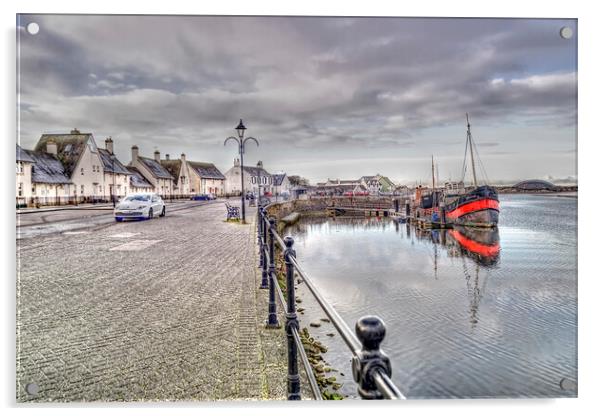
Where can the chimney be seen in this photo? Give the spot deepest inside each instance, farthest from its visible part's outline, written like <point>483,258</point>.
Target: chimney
<point>157,156</point>
<point>166,156</point>
<point>75,131</point>
<point>134,153</point>
<point>260,164</point>
<point>236,162</point>
<point>51,147</point>
<point>183,157</point>
<point>109,144</point>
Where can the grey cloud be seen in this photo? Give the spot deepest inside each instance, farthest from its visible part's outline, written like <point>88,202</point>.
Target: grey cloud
<point>340,85</point>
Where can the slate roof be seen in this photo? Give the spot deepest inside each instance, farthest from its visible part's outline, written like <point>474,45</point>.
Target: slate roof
<point>70,147</point>
<point>47,168</point>
<point>155,168</point>
<point>207,170</point>
<point>255,171</point>
<point>278,178</point>
<point>136,178</point>
<point>111,166</point>
<point>173,167</point>
<point>22,155</point>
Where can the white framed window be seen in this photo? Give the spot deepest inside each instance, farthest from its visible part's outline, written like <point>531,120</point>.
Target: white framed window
<point>82,189</point>
<point>82,171</point>
<point>20,191</point>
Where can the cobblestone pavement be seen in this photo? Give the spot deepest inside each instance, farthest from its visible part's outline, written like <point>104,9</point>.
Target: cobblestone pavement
<point>166,309</point>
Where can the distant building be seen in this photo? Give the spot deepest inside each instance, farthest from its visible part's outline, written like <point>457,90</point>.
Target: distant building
<point>280,184</point>
<point>535,185</point>
<point>377,184</point>
<point>195,177</point>
<point>233,182</point>
<point>340,187</point>
<point>152,170</point>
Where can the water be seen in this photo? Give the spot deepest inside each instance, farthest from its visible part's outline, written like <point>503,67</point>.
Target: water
<point>502,323</point>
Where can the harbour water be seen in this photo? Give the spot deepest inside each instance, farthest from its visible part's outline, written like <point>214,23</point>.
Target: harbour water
<point>468,315</point>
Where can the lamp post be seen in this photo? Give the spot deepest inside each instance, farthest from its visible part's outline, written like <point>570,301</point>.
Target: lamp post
<point>240,129</point>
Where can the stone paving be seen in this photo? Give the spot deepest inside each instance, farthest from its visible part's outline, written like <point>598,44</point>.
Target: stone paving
<point>167,309</point>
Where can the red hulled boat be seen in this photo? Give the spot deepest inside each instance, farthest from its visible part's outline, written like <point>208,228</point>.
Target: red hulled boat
<point>476,207</point>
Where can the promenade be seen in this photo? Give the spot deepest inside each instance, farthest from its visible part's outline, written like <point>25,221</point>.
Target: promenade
<point>166,309</point>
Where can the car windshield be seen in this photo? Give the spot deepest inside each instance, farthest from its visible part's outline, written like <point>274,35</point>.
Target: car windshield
<point>137,198</point>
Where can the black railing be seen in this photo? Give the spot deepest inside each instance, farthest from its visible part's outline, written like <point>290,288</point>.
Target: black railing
<point>371,366</point>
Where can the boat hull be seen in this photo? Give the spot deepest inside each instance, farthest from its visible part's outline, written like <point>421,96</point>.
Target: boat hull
<point>479,208</point>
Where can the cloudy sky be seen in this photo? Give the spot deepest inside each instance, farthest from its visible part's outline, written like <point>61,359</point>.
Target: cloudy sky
<point>326,97</point>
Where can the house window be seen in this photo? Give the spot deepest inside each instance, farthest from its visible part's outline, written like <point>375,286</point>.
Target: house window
<point>82,189</point>
<point>33,189</point>
<point>19,167</point>
<point>82,171</point>
<point>20,192</point>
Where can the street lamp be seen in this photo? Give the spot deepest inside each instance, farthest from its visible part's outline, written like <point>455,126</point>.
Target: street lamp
<point>240,129</point>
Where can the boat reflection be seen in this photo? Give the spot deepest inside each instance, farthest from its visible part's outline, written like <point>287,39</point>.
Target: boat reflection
<point>479,250</point>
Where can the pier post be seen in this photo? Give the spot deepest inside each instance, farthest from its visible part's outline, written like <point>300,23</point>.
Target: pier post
<point>264,260</point>
<point>292,323</point>
<point>370,331</point>
<point>272,321</point>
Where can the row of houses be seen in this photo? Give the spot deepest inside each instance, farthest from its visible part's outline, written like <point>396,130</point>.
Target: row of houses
<point>366,185</point>
<point>65,168</point>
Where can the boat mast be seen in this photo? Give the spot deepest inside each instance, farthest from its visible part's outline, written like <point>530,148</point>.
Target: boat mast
<point>433,170</point>
<point>469,138</point>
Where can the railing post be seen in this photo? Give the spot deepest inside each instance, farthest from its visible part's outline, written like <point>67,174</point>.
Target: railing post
<point>294,383</point>
<point>263,259</point>
<point>371,331</point>
<point>272,321</point>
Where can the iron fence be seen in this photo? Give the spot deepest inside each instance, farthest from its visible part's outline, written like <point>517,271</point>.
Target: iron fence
<point>370,365</point>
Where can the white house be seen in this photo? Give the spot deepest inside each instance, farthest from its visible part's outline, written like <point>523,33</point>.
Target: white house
<point>194,177</point>
<point>50,183</point>
<point>152,170</point>
<point>116,179</point>
<point>233,181</point>
<point>81,161</point>
<point>138,183</point>
<point>23,177</point>
<point>280,184</point>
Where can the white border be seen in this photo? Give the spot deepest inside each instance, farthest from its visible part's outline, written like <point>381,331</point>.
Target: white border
<point>589,174</point>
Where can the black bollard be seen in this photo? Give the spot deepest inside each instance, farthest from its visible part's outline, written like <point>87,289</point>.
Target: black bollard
<point>371,332</point>
<point>272,321</point>
<point>292,323</point>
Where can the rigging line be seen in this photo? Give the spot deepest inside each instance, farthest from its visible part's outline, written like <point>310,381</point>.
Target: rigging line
<point>464,165</point>
<point>481,165</point>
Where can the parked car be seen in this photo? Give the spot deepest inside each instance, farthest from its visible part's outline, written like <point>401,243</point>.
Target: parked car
<point>200,197</point>
<point>139,206</point>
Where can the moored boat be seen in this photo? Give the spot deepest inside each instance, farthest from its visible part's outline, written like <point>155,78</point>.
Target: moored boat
<point>477,206</point>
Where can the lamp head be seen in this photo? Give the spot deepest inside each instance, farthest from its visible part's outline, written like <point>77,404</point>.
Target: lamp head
<point>241,129</point>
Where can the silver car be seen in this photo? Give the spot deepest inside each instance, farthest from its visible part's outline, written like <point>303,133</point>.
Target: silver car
<point>139,206</point>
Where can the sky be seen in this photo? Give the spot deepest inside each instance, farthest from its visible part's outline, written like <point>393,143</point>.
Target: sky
<point>325,97</point>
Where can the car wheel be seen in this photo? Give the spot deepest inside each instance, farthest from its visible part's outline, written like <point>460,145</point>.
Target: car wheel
<point>150,213</point>
<point>162,212</point>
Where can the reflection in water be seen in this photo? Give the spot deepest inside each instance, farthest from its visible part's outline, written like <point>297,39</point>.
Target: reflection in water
<point>469,313</point>
<point>477,247</point>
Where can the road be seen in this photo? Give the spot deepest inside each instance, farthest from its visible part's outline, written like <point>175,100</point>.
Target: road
<point>164,309</point>
<point>35,223</point>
